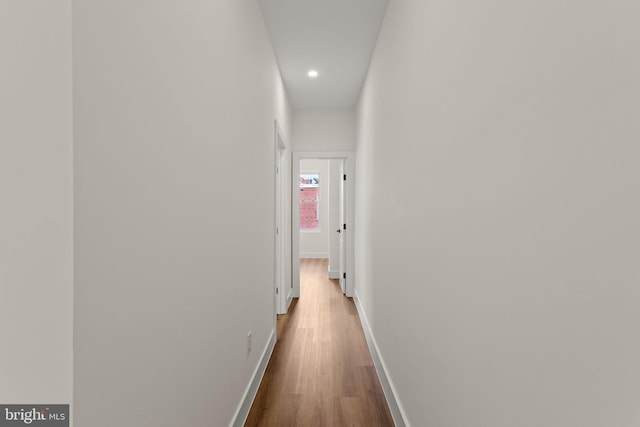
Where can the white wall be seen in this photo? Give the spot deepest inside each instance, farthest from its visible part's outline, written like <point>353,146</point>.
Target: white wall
<point>315,244</point>
<point>324,130</point>
<point>174,109</point>
<point>499,143</point>
<point>36,206</point>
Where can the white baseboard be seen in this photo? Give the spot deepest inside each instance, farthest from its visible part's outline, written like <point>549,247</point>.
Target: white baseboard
<point>242,412</point>
<point>398,414</point>
<point>289,299</point>
<point>334,274</point>
<point>314,255</point>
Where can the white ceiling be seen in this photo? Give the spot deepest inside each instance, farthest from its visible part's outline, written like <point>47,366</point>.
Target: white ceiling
<point>334,37</point>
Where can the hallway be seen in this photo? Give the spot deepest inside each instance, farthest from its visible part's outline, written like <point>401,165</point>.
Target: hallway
<point>321,372</point>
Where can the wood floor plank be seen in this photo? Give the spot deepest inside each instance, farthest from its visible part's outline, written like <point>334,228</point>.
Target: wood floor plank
<point>321,373</point>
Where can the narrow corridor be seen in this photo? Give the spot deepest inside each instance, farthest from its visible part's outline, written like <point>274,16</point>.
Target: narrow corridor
<point>321,372</point>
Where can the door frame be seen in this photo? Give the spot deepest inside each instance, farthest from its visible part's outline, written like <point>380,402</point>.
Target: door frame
<point>281,278</point>
<point>342,261</point>
<point>349,158</point>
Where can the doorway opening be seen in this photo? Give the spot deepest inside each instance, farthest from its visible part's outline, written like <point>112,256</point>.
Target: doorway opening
<point>323,215</point>
<point>282,272</point>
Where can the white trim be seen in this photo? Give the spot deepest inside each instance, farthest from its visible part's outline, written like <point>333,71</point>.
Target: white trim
<point>289,299</point>
<point>244,407</point>
<point>397,412</point>
<point>334,274</point>
<point>281,237</point>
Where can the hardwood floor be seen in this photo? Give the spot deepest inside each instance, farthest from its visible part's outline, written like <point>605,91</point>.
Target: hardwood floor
<point>321,372</point>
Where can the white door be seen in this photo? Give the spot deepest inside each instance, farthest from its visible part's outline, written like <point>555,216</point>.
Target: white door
<point>343,229</point>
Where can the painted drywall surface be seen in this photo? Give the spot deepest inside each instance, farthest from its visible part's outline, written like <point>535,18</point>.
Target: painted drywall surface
<point>174,154</point>
<point>315,244</point>
<point>498,142</point>
<point>36,183</point>
<point>323,130</point>
<point>334,217</point>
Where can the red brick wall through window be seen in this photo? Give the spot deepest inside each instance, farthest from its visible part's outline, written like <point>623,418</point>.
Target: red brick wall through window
<point>309,209</point>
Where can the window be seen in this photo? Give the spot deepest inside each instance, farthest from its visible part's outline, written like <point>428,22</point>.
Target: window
<point>310,202</point>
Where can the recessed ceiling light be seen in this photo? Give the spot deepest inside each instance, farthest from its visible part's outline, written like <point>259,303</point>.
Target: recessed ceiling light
<point>312,73</point>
